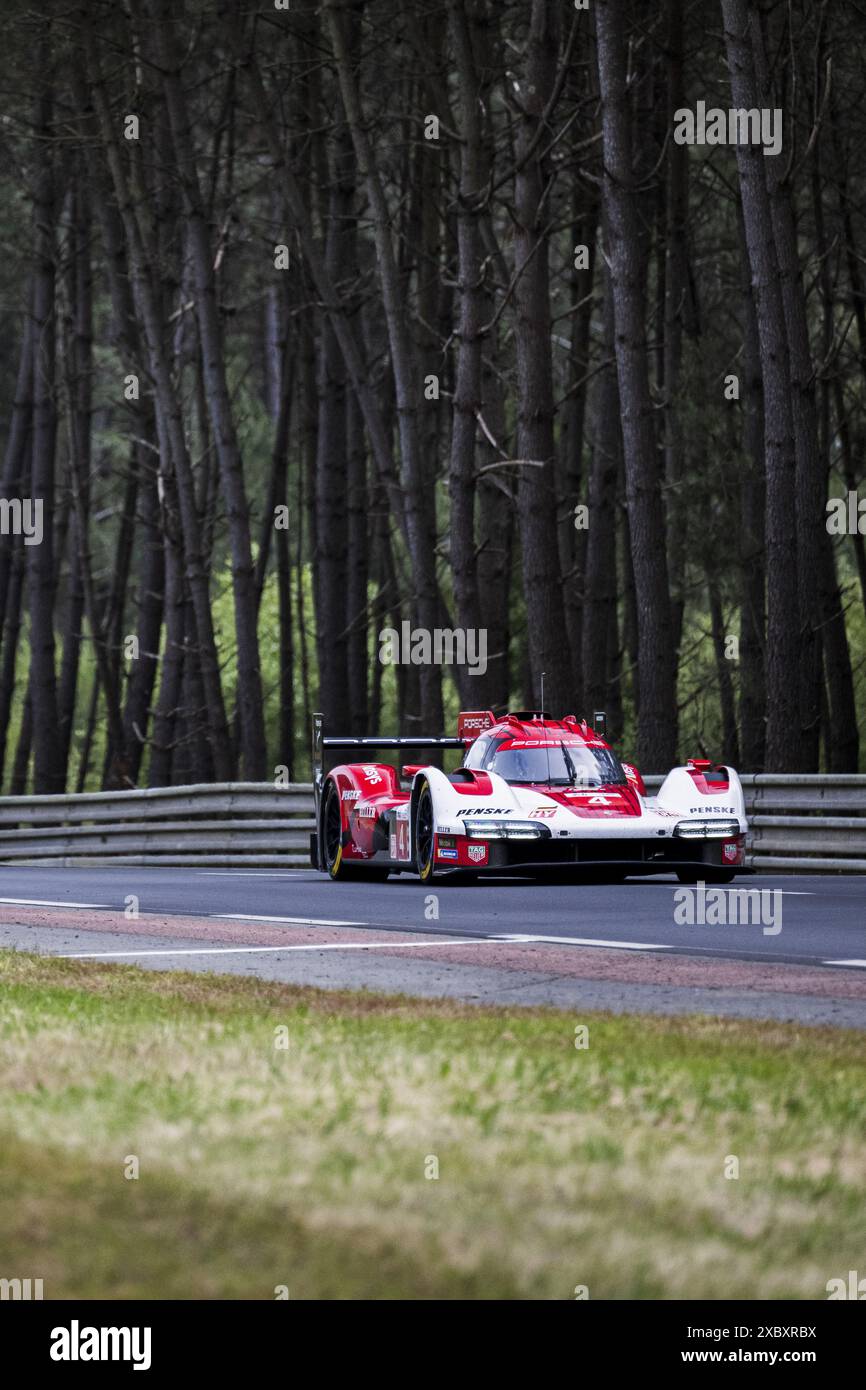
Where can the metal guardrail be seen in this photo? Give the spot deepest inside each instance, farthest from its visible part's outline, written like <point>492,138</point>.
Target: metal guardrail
<point>798,822</point>
<point>229,824</point>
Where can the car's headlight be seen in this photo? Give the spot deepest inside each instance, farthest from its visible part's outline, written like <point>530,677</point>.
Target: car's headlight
<point>503,830</point>
<point>706,829</point>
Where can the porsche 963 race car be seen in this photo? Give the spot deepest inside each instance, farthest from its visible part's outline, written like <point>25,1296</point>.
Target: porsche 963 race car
<point>533,794</point>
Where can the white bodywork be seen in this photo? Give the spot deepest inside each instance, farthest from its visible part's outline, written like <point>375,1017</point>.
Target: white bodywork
<point>678,800</point>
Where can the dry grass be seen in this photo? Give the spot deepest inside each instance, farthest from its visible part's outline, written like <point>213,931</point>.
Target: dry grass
<point>557,1167</point>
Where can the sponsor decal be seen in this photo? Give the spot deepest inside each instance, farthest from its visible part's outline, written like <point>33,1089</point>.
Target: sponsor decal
<point>350,796</point>
<point>447,854</point>
<point>372,774</point>
<point>730,853</point>
<point>487,811</point>
<point>568,739</point>
<point>477,853</point>
<point>543,812</point>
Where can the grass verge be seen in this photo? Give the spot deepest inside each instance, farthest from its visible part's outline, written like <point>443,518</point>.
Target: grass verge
<point>291,1136</point>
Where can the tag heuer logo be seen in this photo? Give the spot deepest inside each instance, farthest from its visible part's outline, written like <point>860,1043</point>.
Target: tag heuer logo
<point>477,853</point>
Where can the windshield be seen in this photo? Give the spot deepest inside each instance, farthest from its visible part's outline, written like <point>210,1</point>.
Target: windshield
<point>559,764</point>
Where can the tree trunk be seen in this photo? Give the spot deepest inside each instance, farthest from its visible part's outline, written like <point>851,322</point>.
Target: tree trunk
<point>752,555</point>
<point>331,483</point>
<point>417,482</point>
<point>783,627</point>
<point>151,598</point>
<point>467,385</point>
<point>679,318</point>
<point>357,660</point>
<point>17,456</point>
<point>657,718</point>
<point>249,684</point>
<point>730,752</point>
<point>600,576</point>
<point>547,636</point>
<point>11,635</point>
<point>174,459</point>
<point>49,772</point>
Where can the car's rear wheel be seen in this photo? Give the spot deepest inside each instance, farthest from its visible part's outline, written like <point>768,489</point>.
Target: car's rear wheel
<point>332,845</point>
<point>424,838</point>
<point>332,835</point>
<point>705,875</point>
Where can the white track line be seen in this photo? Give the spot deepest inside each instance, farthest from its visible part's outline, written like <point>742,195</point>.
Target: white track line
<point>262,950</point>
<point>45,902</point>
<point>290,921</point>
<point>859,964</point>
<point>520,939</point>
<point>367,946</point>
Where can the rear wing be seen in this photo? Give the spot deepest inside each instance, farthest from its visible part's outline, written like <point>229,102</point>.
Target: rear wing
<point>322,741</point>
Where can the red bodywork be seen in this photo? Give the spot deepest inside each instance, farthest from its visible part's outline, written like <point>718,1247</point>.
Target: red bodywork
<point>369,789</point>
<point>376,803</point>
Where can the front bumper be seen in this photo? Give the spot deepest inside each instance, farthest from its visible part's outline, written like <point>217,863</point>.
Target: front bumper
<point>644,855</point>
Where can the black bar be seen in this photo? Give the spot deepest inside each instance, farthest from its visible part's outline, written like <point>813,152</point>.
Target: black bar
<point>379,741</point>
<point>211,1339</point>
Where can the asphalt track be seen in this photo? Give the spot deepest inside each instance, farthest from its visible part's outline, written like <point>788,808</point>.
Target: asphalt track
<point>582,946</point>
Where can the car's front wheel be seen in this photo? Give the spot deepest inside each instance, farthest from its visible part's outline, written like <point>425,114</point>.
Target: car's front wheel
<point>424,837</point>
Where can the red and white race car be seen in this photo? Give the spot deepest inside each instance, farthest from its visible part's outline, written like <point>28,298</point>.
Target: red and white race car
<point>533,794</point>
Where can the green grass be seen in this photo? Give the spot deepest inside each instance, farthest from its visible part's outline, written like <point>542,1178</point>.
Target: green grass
<point>305,1167</point>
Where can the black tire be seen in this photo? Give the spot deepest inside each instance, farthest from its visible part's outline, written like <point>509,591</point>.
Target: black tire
<point>423,836</point>
<point>705,875</point>
<point>332,836</point>
<point>332,845</point>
